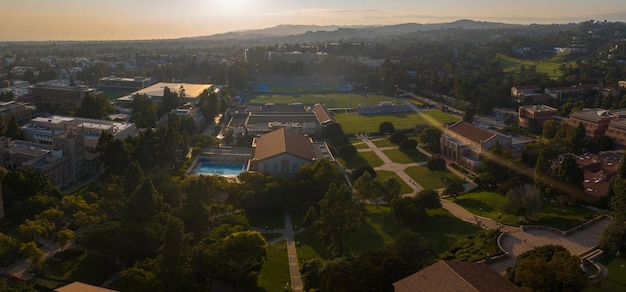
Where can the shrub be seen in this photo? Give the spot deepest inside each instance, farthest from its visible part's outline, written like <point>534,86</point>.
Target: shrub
<point>347,150</point>
<point>408,144</point>
<point>397,137</point>
<point>436,163</point>
<point>386,127</point>
<point>359,172</point>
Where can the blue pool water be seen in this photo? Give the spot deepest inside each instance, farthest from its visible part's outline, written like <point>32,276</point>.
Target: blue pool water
<point>220,169</point>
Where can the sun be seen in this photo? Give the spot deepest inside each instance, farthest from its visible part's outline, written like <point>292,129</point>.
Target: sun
<point>235,7</point>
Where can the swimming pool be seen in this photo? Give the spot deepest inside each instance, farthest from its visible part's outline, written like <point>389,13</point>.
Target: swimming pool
<point>220,169</point>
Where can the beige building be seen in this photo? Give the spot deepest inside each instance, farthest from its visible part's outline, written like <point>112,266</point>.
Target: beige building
<point>539,113</point>
<point>283,152</point>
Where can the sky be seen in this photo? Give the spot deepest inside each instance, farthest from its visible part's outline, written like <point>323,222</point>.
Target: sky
<point>43,20</point>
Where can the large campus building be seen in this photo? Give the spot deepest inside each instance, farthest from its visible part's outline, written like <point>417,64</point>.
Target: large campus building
<point>63,148</point>
<point>466,144</point>
<point>155,92</point>
<point>538,113</point>
<point>57,96</point>
<point>260,119</point>
<point>135,83</point>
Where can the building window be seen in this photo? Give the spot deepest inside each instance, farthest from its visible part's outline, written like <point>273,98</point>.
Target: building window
<point>265,167</point>
<point>294,167</point>
<point>275,167</point>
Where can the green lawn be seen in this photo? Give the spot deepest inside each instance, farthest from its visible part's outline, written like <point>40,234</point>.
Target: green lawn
<point>275,271</point>
<point>489,204</point>
<point>353,123</point>
<point>383,142</point>
<point>616,280</point>
<point>404,188</point>
<point>330,100</point>
<point>430,179</point>
<point>403,156</point>
<point>361,159</point>
<point>548,65</point>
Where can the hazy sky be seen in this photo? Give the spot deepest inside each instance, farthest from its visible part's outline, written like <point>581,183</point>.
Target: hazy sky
<point>156,19</point>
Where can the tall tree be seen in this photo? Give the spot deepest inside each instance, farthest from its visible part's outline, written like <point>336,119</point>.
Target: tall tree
<point>548,268</point>
<point>340,215</point>
<point>578,139</point>
<point>430,138</point>
<point>13,130</point>
<point>173,256</point>
<point>145,203</point>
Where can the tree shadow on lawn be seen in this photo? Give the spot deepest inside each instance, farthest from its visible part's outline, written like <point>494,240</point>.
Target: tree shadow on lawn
<point>355,161</point>
<point>415,155</point>
<point>445,229</point>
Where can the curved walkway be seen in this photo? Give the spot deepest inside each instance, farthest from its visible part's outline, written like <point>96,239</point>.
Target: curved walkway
<point>514,241</point>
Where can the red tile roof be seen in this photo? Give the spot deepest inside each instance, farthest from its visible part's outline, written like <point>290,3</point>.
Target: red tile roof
<point>471,132</point>
<point>283,141</point>
<point>455,276</point>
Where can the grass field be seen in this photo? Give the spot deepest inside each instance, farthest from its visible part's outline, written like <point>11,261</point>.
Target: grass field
<point>330,100</point>
<point>353,123</point>
<point>361,159</point>
<point>549,65</point>
<point>489,204</point>
<point>401,156</point>
<point>430,179</point>
<point>275,271</point>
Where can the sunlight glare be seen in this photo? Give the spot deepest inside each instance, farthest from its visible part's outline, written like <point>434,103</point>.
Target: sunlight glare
<point>235,7</point>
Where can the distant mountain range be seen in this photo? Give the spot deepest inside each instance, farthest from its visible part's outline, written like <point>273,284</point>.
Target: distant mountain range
<point>334,31</point>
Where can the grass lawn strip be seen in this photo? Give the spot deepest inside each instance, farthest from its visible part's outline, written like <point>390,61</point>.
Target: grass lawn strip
<point>361,159</point>
<point>616,280</point>
<point>402,156</point>
<point>353,123</point>
<point>275,271</point>
<point>430,179</point>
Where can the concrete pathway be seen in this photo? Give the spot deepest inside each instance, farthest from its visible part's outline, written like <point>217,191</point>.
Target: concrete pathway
<point>294,267</point>
<point>287,235</point>
<point>389,165</point>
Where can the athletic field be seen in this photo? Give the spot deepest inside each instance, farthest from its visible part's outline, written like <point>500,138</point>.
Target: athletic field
<point>353,123</point>
<point>330,100</point>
